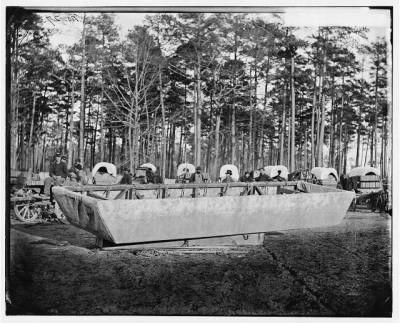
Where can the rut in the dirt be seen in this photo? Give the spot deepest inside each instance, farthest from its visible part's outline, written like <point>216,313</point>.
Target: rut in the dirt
<point>297,279</point>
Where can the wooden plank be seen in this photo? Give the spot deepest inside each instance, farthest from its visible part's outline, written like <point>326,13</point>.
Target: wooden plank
<point>120,187</point>
<point>91,194</point>
<point>122,193</point>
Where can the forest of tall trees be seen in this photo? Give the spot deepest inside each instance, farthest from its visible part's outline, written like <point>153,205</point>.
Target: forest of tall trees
<point>204,88</point>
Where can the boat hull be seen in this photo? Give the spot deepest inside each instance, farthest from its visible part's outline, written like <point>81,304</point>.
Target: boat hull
<point>160,220</point>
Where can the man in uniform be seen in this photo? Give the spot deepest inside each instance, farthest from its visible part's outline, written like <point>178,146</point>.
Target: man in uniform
<point>228,178</point>
<point>58,174</point>
<point>246,177</point>
<point>77,168</point>
<point>278,177</point>
<point>198,177</point>
<point>263,176</point>
<point>126,176</point>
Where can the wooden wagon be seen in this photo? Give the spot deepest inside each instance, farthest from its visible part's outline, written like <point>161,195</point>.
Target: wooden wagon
<point>27,198</point>
<point>367,184</point>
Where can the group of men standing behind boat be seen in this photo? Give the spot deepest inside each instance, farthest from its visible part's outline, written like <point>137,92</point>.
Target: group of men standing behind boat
<point>60,174</point>
<point>199,177</point>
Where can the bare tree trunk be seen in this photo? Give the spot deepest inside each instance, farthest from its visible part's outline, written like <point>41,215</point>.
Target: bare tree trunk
<point>13,99</point>
<point>346,147</point>
<point>180,146</point>
<point>371,156</point>
<point>102,132</point>
<point>366,151</point>
<point>261,153</point>
<point>340,137</point>
<point>318,111</point>
<point>375,135</point>
<point>332,126</point>
<point>82,108</point>
<point>163,136</point>
<point>322,130</point>
<point>381,159</point>
<point>195,119</point>
<point>288,142</point>
<point>233,133</point>
<point>172,151</point>
<point>293,151</point>
<point>251,152</point>
<point>388,155</point>
<point>31,131</point>
<point>313,122</point>
<point>197,115</point>
<point>358,142</point>
<point>217,129</point>
<point>254,126</point>
<point>283,126</point>
<point>94,135</point>
<point>71,123</point>
<point>233,120</point>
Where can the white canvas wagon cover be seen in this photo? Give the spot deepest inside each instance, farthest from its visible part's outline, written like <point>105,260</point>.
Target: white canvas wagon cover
<point>150,165</point>
<point>233,168</point>
<point>362,171</point>
<point>111,168</point>
<point>188,166</point>
<point>325,173</point>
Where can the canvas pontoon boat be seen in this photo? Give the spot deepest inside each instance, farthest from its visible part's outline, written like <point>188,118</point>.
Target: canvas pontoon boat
<point>172,214</point>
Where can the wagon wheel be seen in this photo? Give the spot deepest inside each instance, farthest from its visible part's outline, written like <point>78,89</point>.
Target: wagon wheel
<point>59,214</point>
<point>27,212</point>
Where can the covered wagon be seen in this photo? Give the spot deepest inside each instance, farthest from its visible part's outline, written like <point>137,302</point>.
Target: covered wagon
<point>105,174</point>
<point>325,176</point>
<point>184,172</point>
<point>367,184</point>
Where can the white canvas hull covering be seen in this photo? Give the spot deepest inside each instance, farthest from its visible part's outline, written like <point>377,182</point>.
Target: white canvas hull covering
<point>171,219</point>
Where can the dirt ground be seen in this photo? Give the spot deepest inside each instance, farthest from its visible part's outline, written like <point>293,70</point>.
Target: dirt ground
<point>344,270</point>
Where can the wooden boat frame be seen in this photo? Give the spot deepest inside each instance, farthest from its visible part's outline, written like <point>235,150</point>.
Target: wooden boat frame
<point>162,218</point>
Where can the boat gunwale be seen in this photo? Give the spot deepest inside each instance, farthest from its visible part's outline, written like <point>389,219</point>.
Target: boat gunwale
<point>120,187</point>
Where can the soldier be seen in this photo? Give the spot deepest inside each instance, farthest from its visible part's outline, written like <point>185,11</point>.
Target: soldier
<point>77,168</point>
<point>127,176</point>
<point>228,178</point>
<point>198,177</point>
<point>278,177</point>
<point>149,179</point>
<point>246,177</point>
<point>263,176</point>
<point>58,174</point>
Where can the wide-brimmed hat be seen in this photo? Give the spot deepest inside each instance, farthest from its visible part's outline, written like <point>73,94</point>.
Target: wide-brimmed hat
<point>229,172</point>
<point>58,155</point>
<point>198,168</point>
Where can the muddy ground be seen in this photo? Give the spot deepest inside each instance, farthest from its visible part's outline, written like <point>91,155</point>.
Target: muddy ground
<point>343,270</point>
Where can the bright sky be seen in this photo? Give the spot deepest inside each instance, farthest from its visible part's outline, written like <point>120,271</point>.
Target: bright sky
<point>67,29</point>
